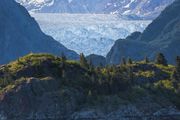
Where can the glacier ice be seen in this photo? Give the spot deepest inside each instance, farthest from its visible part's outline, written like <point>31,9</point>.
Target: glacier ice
<point>88,33</point>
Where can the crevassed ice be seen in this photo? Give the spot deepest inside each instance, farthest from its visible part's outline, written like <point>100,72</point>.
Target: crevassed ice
<point>88,33</point>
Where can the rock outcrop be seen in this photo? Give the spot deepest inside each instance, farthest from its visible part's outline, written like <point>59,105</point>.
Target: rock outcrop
<point>42,86</point>
<point>39,99</point>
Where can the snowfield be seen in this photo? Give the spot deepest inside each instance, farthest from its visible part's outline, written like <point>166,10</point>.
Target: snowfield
<point>87,33</point>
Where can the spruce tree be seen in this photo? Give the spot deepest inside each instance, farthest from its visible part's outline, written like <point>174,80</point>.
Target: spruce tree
<point>91,66</point>
<point>178,68</point>
<point>83,61</point>
<point>63,57</point>
<point>90,62</point>
<point>63,65</point>
<point>146,60</point>
<point>131,75</point>
<point>176,74</point>
<point>174,79</point>
<point>130,61</point>
<point>160,59</point>
<point>101,65</point>
<point>123,61</point>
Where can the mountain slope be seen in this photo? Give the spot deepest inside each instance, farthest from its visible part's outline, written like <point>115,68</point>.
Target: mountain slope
<point>20,34</point>
<point>162,35</point>
<point>134,9</point>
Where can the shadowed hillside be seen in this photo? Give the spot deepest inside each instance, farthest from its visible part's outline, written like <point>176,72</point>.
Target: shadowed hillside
<point>162,35</point>
<point>20,34</point>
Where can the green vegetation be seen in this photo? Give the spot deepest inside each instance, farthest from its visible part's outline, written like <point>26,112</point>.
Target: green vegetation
<point>83,61</point>
<point>176,74</point>
<point>128,82</point>
<point>146,74</point>
<point>146,60</point>
<point>130,61</point>
<point>160,59</point>
<point>123,61</point>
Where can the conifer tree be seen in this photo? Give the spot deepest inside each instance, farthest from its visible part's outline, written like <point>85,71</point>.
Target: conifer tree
<point>123,61</point>
<point>83,61</point>
<point>63,57</point>
<point>91,66</point>
<point>90,62</point>
<point>130,61</point>
<point>160,59</point>
<point>174,79</point>
<point>101,65</point>
<point>176,74</point>
<point>131,75</point>
<point>63,65</point>
<point>146,60</point>
<point>178,68</point>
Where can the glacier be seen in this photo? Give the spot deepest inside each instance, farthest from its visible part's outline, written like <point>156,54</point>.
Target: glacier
<point>88,33</point>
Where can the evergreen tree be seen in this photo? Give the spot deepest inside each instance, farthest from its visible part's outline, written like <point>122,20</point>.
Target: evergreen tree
<point>83,61</point>
<point>177,71</point>
<point>91,66</point>
<point>176,74</point>
<point>63,57</point>
<point>131,75</point>
<point>146,60</point>
<point>174,79</point>
<point>63,65</point>
<point>90,62</point>
<point>130,61</point>
<point>178,64</point>
<point>123,61</point>
<point>7,78</point>
<point>101,65</point>
<point>160,59</point>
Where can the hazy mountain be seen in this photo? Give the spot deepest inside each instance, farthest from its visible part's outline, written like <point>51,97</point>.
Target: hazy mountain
<point>133,9</point>
<point>20,34</point>
<point>162,35</point>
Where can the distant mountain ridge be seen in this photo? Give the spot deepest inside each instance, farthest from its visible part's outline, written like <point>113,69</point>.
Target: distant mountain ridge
<point>20,35</point>
<point>131,9</point>
<point>162,35</point>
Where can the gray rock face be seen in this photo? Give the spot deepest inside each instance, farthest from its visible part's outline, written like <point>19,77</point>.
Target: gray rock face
<point>127,112</point>
<point>20,34</point>
<point>132,9</point>
<point>39,99</point>
<point>45,99</point>
<point>162,35</point>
